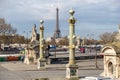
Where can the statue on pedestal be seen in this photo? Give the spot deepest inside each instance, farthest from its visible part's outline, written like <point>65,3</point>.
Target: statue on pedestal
<point>34,33</point>
<point>34,38</point>
<point>31,52</point>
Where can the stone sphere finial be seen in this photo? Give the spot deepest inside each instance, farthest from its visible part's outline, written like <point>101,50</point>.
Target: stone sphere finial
<point>71,19</point>
<point>71,12</point>
<point>41,26</point>
<point>41,21</point>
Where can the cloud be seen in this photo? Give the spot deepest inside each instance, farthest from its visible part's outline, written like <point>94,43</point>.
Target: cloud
<point>95,13</point>
<point>46,9</point>
<point>83,29</point>
<point>33,9</point>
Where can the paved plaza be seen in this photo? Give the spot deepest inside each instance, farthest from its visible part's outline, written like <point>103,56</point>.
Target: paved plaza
<point>16,70</point>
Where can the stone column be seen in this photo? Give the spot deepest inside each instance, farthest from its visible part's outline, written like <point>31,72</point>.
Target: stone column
<point>71,67</point>
<point>41,60</point>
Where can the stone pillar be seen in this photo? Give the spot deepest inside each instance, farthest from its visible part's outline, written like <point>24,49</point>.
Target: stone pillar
<point>71,67</point>
<point>41,60</point>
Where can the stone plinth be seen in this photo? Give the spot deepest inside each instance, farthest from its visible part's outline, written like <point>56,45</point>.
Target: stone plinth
<point>72,72</point>
<point>26,60</point>
<point>41,64</point>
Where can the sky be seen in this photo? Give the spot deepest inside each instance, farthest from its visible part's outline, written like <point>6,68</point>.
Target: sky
<point>94,17</point>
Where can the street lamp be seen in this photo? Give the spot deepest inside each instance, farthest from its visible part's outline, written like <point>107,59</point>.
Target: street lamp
<point>71,67</point>
<point>96,66</point>
<point>90,41</point>
<point>95,49</point>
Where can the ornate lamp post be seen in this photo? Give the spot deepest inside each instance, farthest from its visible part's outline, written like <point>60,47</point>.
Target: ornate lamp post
<point>41,61</point>
<point>96,66</point>
<point>71,67</point>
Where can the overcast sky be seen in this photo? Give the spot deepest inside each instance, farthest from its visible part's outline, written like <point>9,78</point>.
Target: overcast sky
<point>93,16</point>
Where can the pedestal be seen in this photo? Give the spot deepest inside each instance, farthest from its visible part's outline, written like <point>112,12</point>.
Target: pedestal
<point>26,60</point>
<point>72,72</point>
<point>41,64</point>
<point>48,61</point>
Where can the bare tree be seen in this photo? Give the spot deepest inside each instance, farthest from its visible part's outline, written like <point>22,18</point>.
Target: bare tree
<point>6,28</point>
<point>108,37</point>
<point>6,31</point>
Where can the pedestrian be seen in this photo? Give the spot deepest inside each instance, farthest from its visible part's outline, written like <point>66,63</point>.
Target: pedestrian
<point>48,47</point>
<point>46,53</point>
<point>22,58</point>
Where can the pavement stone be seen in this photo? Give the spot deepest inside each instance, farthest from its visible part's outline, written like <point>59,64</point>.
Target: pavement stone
<point>16,70</point>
